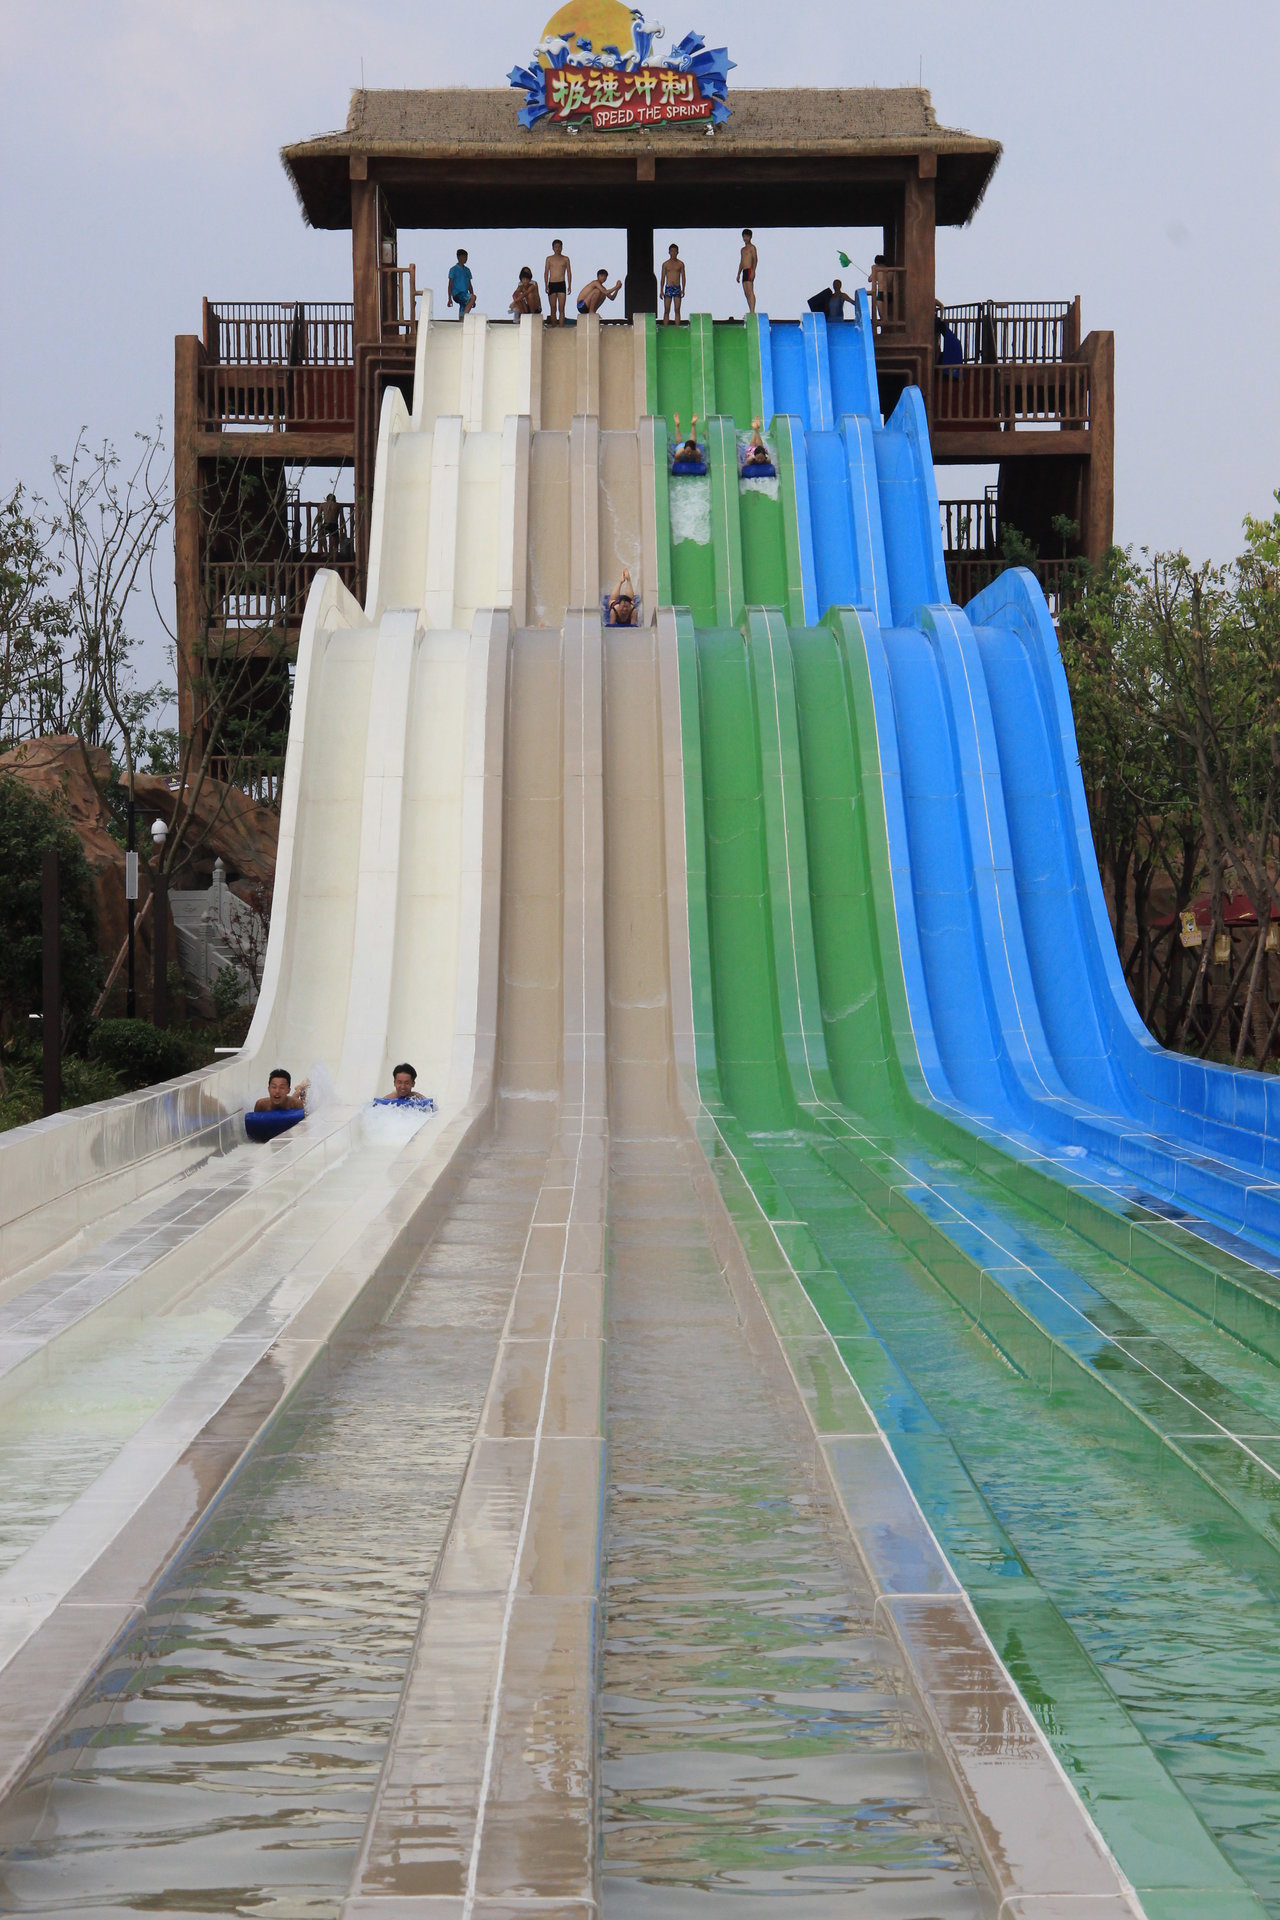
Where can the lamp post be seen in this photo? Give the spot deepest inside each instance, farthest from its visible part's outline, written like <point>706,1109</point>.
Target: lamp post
<point>131,905</point>
<point>159,928</point>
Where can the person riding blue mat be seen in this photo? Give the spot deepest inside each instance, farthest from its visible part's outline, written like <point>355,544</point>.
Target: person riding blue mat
<point>281,1107</point>
<point>403,1079</point>
<point>687,456</point>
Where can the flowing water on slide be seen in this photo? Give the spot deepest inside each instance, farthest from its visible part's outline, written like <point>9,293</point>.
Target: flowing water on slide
<point>232,1744</point>
<point>759,1742</point>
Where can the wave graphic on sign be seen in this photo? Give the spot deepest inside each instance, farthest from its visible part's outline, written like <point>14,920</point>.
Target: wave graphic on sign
<point>573,79</point>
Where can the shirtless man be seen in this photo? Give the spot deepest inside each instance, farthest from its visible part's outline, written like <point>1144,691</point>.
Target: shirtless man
<point>748,260</point>
<point>403,1094</point>
<point>622,607</point>
<point>673,283</point>
<point>281,1095</point>
<point>557,278</point>
<point>597,291</point>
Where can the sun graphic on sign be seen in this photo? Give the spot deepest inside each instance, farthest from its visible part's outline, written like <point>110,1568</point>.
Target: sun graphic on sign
<point>603,23</point>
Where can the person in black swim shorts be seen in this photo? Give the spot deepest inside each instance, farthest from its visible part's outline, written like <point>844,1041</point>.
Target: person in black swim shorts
<point>748,261</point>
<point>557,278</point>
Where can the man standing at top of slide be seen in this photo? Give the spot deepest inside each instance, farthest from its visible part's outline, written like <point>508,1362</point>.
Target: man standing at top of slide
<point>747,261</point>
<point>557,277</point>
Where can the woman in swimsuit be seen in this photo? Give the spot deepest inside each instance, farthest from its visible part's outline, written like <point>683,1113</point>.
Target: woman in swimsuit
<point>622,607</point>
<point>689,452</point>
<point>526,298</point>
<point>757,454</point>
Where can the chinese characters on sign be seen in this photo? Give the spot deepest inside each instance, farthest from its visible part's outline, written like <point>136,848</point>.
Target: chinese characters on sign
<point>642,98</point>
<point>571,83</point>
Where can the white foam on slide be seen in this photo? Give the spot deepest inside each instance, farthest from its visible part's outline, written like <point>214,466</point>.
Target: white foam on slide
<point>690,498</point>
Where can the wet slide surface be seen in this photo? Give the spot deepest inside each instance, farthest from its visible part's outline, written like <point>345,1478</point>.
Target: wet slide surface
<point>231,1749</point>
<point>233,1743</point>
<point>759,1741</point>
<point>1059,1372</point>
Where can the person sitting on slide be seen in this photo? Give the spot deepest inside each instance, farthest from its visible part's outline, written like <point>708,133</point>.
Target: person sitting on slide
<point>689,453</point>
<point>756,454</point>
<point>403,1080</point>
<point>526,298</point>
<point>596,292</point>
<point>281,1095</point>
<point>622,607</point>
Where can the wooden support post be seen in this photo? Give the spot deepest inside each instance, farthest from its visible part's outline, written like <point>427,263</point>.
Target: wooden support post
<point>919,226</point>
<point>1098,352</point>
<point>367,325</point>
<point>159,949</point>
<point>51,994</point>
<point>640,289</point>
<point>186,528</point>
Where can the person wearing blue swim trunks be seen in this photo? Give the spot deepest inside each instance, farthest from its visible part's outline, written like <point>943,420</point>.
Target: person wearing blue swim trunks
<point>462,292</point>
<point>673,285</point>
<point>597,291</point>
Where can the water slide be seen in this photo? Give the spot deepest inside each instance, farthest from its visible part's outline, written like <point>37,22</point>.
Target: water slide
<point>166,1287</point>
<point>1005,918</point>
<point>1073,1368</point>
<point>309,1384</point>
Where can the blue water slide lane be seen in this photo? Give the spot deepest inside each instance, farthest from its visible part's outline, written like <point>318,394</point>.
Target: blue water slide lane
<point>1240,1112</point>
<point>1022,1020</point>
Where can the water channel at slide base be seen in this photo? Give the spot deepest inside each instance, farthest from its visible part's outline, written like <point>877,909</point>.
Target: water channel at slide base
<point>1075,1369</point>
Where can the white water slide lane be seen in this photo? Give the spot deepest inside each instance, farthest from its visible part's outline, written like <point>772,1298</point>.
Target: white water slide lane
<point>161,1281</point>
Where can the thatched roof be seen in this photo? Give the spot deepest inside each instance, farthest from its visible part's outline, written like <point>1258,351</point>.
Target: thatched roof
<point>798,147</point>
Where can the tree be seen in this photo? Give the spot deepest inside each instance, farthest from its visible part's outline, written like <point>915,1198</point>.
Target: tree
<point>34,622</point>
<point>108,525</point>
<point>28,824</point>
<point>1138,774</point>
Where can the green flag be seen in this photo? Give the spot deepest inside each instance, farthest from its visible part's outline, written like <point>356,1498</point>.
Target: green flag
<point>844,260</point>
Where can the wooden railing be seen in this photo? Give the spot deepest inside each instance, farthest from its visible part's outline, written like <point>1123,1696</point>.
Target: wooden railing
<point>279,333</point>
<point>1011,396</point>
<point>971,549</point>
<point>1024,332</point>
<point>266,600</point>
<point>970,526</point>
<point>889,299</point>
<point>300,398</point>
<point>969,573</point>
<point>262,783</point>
<point>312,532</point>
<point>398,301</point>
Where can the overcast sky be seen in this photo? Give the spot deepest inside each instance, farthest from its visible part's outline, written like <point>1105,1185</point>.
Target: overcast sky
<point>139,170</point>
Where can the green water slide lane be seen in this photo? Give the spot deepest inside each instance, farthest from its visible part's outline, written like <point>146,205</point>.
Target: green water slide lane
<point>860,1265</point>
<point>787,862</point>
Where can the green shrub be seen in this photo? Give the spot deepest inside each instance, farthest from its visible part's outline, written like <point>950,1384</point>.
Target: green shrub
<point>142,1054</point>
<point>82,1082</point>
<point>228,992</point>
